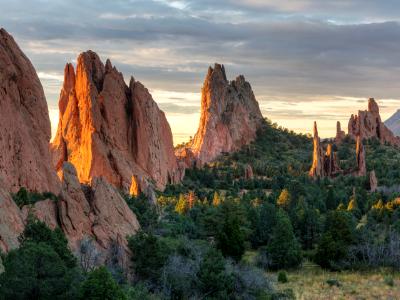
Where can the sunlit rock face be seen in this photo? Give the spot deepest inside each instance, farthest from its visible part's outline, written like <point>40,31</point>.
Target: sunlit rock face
<point>324,164</point>
<point>360,158</point>
<point>230,118</point>
<point>24,123</point>
<point>367,124</point>
<point>111,130</point>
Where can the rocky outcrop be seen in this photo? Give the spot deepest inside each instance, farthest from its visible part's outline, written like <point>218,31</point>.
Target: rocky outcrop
<point>97,212</point>
<point>230,117</point>
<point>11,222</point>
<point>340,134</point>
<point>324,164</point>
<point>111,130</point>
<point>248,172</point>
<point>360,158</point>
<point>373,181</point>
<point>24,123</point>
<point>46,211</point>
<point>367,124</point>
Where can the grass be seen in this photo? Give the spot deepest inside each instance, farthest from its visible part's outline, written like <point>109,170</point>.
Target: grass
<point>311,282</point>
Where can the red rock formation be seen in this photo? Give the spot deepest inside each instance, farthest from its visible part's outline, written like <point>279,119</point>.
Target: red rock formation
<point>11,222</point>
<point>324,164</point>
<point>373,181</point>
<point>360,158</point>
<point>24,123</point>
<point>248,172</point>
<point>107,129</point>
<point>340,134</point>
<point>367,124</point>
<point>317,168</point>
<point>98,212</point>
<point>230,116</point>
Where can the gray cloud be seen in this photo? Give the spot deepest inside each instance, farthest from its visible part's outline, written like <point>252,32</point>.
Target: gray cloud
<point>289,50</point>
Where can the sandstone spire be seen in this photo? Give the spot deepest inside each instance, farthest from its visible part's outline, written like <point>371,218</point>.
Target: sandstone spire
<point>360,157</point>
<point>230,117</point>
<point>111,130</point>
<point>317,168</point>
<point>373,181</point>
<point>24,123</point>
<point>367,124</point>
<point>340,134</point>
<point>324,164</point>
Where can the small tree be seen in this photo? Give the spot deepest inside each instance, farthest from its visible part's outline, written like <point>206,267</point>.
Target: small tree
<point>100,285</point>
<point>216,199</point>
<point>337,237</point>
<point>181,206</point>
<point>284,199</point>
<point>149,254</point>
<point>283,250</point>
<point>231,235</point>
<point>212,276</point>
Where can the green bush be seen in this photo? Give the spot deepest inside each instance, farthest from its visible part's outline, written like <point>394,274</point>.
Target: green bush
<point>282,277</point>
<point>99,284</point>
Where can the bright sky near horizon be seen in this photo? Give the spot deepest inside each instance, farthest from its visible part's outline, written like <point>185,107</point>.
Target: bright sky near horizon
<point>306,60</point>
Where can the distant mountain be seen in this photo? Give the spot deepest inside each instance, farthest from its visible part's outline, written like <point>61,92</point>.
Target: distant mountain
<point>393,123</point>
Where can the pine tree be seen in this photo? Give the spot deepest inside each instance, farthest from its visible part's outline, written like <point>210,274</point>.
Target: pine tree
<point>283,250</point>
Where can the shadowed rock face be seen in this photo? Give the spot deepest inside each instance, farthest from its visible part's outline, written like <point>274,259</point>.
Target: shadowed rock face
<point>97,212</point>
<point>230,117</point>
<point>360,158</point>
<point>24,123</point>
<point>367,124</point>
<point>11,222</point>
<point>107,129</point>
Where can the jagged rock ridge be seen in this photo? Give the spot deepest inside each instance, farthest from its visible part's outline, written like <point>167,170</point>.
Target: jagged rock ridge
<point>230,117</point>
<point>24,123</point>
<point>98,212</point>
<point>367,124</point>
<point>111,130</point>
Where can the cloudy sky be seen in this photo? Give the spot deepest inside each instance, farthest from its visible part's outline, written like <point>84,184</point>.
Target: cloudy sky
<point>306,60</point>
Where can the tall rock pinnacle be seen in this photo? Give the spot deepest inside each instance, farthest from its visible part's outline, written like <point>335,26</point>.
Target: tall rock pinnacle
<point>340,134</point>
<point>230,117</point>
<point>317,168</point>
<point>360,157</point>
<point>367,124</point>
<point>24,123</point>
<point>111,130</point>
<point>324,164</point>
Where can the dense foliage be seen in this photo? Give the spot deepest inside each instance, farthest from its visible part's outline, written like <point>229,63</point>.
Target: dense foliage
<point>196,242</point>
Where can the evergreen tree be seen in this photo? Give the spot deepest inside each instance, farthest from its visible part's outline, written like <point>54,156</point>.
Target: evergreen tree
<point>231,235</point>
<point>337,237</point>
<point>100,285</point>
<point>283,250</point>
